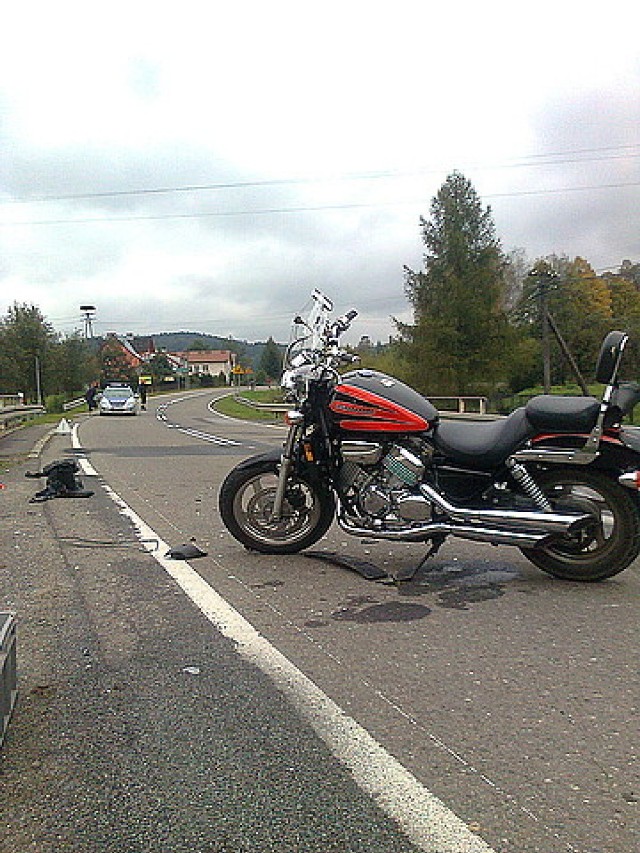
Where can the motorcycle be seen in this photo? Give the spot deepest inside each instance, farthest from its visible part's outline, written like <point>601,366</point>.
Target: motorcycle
<point>557,478</point>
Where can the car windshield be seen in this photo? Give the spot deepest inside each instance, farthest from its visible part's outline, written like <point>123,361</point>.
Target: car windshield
<point>118,393</point>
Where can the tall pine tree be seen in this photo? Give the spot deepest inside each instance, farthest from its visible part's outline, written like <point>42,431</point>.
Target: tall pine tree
<point>271,360</point>
<point>457,343</point>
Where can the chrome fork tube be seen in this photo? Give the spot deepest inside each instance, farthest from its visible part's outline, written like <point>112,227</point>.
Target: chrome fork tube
<point>286,464</point>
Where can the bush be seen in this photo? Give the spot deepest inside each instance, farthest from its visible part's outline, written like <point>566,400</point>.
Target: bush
<point>54,403</point>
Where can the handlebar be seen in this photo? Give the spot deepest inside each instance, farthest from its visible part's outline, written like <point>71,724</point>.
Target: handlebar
<point>317,354</point>
<point>343,323</point>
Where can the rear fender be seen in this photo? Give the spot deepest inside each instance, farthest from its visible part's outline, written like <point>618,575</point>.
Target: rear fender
<point>619,451</point>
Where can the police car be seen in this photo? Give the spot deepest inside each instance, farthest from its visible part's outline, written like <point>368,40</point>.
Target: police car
<point>118,399</point>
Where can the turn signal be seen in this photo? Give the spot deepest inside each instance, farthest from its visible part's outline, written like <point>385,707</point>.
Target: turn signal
<point>293,418</point>
<point>631,480</point>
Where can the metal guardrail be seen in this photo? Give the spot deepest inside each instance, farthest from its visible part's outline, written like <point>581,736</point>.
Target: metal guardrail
<point>10,401</point>
<point>10,416</point>
<point>265,407</point>
<point>73,404</point>
<point>463,405</point>
<point>8,669</point>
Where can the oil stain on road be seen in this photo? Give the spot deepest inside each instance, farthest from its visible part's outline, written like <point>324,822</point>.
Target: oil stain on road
<point>456,586</point>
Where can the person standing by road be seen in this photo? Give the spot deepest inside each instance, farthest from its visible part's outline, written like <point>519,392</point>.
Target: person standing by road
<point>90,396</point>
<point>142,391</point>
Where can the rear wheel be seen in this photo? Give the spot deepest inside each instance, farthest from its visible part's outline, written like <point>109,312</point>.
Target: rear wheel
<point>607,544</point>
<point>246,506</point>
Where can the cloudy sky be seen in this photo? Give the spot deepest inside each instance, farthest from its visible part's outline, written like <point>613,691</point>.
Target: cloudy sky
<point>204,165</point>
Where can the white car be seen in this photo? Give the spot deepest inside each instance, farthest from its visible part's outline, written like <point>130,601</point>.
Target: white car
<point>118,400</point>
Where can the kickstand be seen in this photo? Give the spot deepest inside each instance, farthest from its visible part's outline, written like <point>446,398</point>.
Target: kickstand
<point>409,574</point>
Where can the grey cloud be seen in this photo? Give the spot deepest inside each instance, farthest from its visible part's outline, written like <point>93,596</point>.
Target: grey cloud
<point>594,119</point>
<point>598,222</point>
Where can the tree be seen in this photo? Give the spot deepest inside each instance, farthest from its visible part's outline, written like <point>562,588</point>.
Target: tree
<point>26,343</point>
<point>74,365</point>
<point>160,367</point>
<point>271,360</point>
<point>198,345</point>
<point>114,366</point>
<point>581,307</point>
<point>458,342</point>
<point>625,311</point>
<point>516,269</point>
<point>631,272</point>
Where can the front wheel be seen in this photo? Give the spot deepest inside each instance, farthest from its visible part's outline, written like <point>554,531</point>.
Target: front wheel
<point>246,506</point>
<point>607,544</point>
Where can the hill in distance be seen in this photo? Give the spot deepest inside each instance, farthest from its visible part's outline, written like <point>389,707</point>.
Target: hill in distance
<point>250,353</point>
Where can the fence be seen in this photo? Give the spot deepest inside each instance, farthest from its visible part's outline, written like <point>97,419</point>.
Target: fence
<point>461,405</point>
<point>10,401</point>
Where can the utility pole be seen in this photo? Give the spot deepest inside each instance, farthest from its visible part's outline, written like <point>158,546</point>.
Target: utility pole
<point>88,311</point>
<point>567,354</point>
<point>542,281</point>
<point>38,384</point>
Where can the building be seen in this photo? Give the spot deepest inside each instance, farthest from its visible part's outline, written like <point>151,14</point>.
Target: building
<point>144,346</point>
<point>210,363</point>
<point>137,352</point>
<point>124,346</point>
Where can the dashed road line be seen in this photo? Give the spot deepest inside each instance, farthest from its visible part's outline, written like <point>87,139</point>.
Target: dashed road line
<point>161,415</point>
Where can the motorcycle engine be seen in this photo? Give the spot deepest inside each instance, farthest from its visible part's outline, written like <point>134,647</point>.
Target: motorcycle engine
<point>381,482</point>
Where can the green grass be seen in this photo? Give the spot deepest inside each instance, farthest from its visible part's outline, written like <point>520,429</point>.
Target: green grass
<point>571,389</point>
<point>229,405</point>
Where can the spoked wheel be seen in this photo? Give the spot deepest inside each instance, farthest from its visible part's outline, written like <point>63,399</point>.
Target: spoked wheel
<point>607,544</point>
<point>246,506</point>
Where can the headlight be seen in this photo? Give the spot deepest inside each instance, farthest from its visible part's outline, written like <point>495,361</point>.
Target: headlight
<point>297,380</point>
<point>288,380</point>
<point>130,403</point>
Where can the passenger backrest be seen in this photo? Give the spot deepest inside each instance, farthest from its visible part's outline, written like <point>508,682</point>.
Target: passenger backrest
<point>609,358</point>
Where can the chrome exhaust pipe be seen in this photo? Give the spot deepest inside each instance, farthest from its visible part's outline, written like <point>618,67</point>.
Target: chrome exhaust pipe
<point>549,522</point>
<point>519,538</point>
<point>495,536</point>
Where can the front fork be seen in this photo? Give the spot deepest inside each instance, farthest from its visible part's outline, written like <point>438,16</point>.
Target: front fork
<point>296,424</point>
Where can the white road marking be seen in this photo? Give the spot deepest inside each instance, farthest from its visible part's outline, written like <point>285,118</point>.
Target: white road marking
<point>161,415</point>
<point>425,819</point>
<point>83,462</point>
<point>206,436</point>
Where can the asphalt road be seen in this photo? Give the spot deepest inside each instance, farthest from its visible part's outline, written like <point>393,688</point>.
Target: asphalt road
<point>510,696</point>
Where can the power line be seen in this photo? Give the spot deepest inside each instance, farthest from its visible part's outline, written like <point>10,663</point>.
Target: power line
<point>300,209</point>
<point>544,159</point>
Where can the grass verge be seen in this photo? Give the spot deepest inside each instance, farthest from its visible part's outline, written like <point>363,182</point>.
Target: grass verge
<point>232,407</point>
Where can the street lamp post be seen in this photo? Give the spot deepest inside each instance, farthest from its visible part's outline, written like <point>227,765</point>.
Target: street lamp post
<point>38,384</point>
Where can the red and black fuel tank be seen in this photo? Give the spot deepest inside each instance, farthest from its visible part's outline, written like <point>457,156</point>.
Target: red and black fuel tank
<point>369,401</point>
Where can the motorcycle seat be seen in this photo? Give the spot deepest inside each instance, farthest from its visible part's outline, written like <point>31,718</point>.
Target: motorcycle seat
<point>562,414</point>
<point>482,445</point>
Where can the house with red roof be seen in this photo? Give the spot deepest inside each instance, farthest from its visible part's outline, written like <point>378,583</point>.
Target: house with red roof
<point>210,363</point>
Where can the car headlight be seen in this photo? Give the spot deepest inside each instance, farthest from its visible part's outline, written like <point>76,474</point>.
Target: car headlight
<point>130,403</point>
